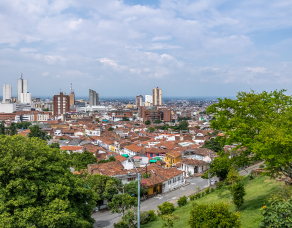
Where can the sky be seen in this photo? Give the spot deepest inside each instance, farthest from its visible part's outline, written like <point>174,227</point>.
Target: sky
<point>126,48</point>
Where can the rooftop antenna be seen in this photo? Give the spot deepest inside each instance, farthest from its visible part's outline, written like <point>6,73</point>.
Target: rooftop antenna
<point>21,76</point>
<point>72,91</point>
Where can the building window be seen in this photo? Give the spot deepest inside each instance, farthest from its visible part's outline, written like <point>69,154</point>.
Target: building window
<point>163,185</point>
<point>151,155</point>
<point>178,179</point>
<point>132,179</point>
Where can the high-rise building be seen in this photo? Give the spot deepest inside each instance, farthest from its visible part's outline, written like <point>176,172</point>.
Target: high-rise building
<point>139,100</point>
<point>7,91</point>
<point>72,96</point>
<point>148,98</point>
<point>23,96</point>
<point>93,98</point>
<point>157,97</point>
<point>61,104</point>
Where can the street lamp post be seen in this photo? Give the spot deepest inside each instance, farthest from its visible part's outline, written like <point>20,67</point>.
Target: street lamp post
<point>138,206</point>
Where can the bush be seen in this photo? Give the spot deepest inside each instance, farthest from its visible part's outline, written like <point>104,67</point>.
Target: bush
<point>219,184</point>
<point>121,224</point>
<point>203,194</point>
<point>166,208</point>
<point>212,189</point>
<point>277,213</point>
<point>238,193</point>
<point>262,166</point>
<point>192,197</point>
<point>182,201</point>
<point>198,195</point>
<point>207,191</point>
<point>213,215</point>
<point>147,216</point>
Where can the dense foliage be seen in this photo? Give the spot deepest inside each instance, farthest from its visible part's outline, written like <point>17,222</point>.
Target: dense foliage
<point>213,145</point>
<point>238,192</point>
<point>213,215</point>
<point>122,202</point>
<point>37,188</point>
<point>132,188</point>
<point>260,125</point>
<point>23,125</point>
<point>169,220</point>
<point>182,201</point>
<point>110,159</point>
<point>81,160</point>
<point>166,208</point>
<point>219,167</point>
<point>35,131</point>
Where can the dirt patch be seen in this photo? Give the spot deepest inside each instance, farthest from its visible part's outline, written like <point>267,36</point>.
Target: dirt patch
<point>267,180</point>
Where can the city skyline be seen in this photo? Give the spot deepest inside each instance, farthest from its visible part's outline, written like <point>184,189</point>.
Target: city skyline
<point>125,48</point>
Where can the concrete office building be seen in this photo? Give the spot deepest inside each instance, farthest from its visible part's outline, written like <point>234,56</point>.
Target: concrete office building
<point>157,97</point>
<point>7,92</point>
<point>23,96</point>
<point>139,100</point>
<point>93,98</point>
<point>61,104</point>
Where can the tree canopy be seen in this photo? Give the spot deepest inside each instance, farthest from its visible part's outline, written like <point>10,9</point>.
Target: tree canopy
<point>81,160</point>
<point>37,188</point>
<point>259,125</point>
<point>35,131</point>
<point>213,145</point>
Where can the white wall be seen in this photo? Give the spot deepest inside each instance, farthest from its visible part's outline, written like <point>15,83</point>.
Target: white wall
<point>173,183</point>
<point>7,108</point>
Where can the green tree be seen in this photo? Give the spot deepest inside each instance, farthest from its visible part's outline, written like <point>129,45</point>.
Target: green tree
<point>213,215</point>
<point>35,131</point>
<point>238,193</point>
<point>122,202</point>
<point>23,125</point>
<point>110,129</point>
<point>182,201</point>
<point>104,187</point>
<point>81,160</point>
<point>198,127</point>
<point>2,128</point>
<point>213,145</point>
<point>55,145</point>
<point>147,122</point>
<point>132,188</point>
<point>151,129</point>
<point>110,159</point>
<point>46,110</point>
<point>233,176</point>
<point>169,220</point>
<point>219,167</point>
<point>183,125</point>
<point>125,118</point>
<point>158,121</point>
<point>259,124</point>
<point>12,129</point>
<point>37,188</point>
<point>166,208</point>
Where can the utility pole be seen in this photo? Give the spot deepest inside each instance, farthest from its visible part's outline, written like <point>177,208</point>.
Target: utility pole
<point>138,207</point>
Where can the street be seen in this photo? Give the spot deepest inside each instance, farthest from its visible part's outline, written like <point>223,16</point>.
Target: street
<point>105,219</point>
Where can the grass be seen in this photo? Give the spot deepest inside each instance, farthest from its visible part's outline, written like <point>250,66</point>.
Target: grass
<point>257,191</point>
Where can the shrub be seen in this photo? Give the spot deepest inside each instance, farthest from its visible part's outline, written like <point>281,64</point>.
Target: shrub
<point>277,213</point>
<point>213,215</point>
<point>262,166</point>
<point>192,197</point>
<point>207,191</point>
<point>203,194</point>
<point>121,224</point>
<point>212,189</point>
<point>166,208</point>
<point>147,216</point>
<point>198,195</point>
<point>182,201</point>
<point>219,184</point>
<point>238,193</point>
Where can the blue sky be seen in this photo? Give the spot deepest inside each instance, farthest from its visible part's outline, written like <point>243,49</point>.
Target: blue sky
<point>126,48</point>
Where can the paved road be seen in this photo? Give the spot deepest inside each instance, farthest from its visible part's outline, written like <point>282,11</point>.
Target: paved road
<point>104,219</point>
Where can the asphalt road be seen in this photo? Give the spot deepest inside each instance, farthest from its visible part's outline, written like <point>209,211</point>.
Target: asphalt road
<point>105,219</point>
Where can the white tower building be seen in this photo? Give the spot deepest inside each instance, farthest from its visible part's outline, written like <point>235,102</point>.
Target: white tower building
<point>7,93</point>
<point>23,96</point>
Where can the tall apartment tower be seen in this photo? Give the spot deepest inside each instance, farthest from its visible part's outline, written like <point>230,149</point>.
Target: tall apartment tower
<point>61,104</point>
<point>93,98</point>
<point>157,97</point>
<point>139,100</point>
<point>23,96</point>
<point>7,92</point>
<point>72,96</point>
